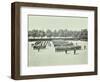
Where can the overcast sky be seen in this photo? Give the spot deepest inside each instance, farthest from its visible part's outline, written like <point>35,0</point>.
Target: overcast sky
<point>57,22</point>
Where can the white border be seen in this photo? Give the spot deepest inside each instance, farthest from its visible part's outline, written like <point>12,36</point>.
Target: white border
<point>25,70</point>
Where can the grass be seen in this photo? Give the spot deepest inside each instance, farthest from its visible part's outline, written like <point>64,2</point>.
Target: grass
<point>48,56</point>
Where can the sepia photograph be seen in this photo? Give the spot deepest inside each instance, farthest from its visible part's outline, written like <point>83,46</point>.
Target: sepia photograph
<point>53,40</point>
<point>57,40</point>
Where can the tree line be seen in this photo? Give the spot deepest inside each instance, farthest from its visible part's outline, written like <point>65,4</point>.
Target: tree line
<point>58,33</point>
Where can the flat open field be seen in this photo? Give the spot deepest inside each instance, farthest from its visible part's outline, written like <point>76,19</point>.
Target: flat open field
<point>50,57</point>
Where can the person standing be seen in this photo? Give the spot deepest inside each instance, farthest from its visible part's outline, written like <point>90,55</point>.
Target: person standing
<point>84,47</point>
<point>66,51</point>
<point>74,51</point>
